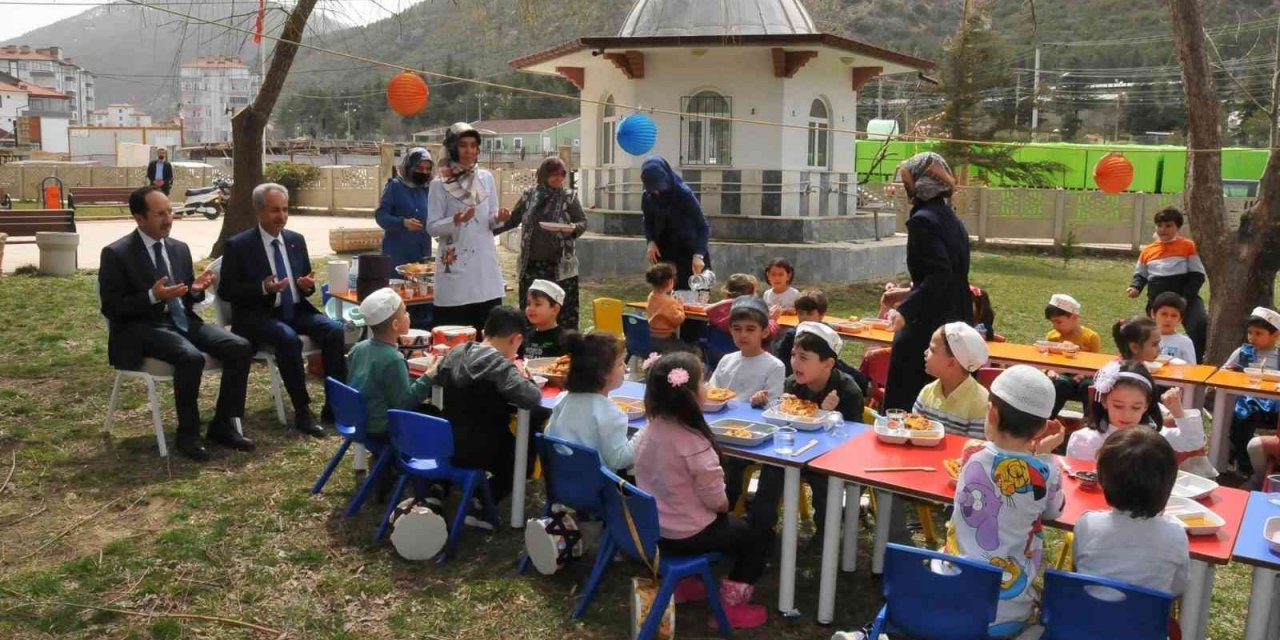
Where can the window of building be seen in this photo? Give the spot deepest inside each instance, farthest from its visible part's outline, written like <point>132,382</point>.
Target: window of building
<point>608,133</point>
<point>819,135</point>
<point>519,143</point>
<point>706,139</point>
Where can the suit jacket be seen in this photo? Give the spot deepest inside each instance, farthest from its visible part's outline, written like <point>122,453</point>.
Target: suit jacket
<point>244,268</point>
<point>168,171</point>
<point>125,276</point>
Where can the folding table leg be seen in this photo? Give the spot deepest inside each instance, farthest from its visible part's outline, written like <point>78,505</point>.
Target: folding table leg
<point>790,518</point>
<point>884,509</point>
<point>1195,602</point>
<point>852,527</point>
<point>1261,600</point>
<point>836,490</point>
<point>518,480</point>
<point>1218,446</point>
<point>1273,626</point>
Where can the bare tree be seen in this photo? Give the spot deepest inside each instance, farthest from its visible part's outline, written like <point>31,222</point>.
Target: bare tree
<point>249,124</point>
<point>1241,264</point>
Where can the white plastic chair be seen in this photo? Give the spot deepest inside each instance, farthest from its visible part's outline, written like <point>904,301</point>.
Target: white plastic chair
<point>151,372</point>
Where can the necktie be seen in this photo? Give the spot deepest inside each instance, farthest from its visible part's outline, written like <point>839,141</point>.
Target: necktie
<point>176,312</point>
<point>286,294</point>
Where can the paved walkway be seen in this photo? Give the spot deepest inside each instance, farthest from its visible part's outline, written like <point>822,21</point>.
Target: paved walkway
<point>199,233</point>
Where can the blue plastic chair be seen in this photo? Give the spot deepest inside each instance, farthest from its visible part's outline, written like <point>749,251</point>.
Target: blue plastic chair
<point>718,343</point>
<point>569,471</point>
<point>1079,606</point>
<point>619,498</point>
<point>349,415</point>
<point>423,447</point>
<point>324,294</point>
<point>922,603</point>
<point>636,330</point>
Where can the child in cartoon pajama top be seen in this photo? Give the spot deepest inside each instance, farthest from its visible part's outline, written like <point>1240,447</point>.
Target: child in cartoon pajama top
<point>1006,491</point>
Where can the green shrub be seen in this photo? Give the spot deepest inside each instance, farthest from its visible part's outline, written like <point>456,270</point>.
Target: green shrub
<point>292,176</point>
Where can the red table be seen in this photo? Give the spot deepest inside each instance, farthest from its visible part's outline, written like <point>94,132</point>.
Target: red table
<point>850,462</point>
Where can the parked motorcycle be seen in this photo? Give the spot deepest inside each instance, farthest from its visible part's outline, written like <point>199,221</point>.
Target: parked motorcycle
<point>208,201</point>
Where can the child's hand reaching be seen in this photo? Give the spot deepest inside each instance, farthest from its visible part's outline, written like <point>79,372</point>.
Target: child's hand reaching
<point>759,398</point>
<point>830,402</point>
<point>1050,438</point>
<point>1172,400</point>
<point>774,312</point>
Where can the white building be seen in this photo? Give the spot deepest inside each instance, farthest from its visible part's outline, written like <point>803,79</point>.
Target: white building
<point>121,114</point>
<point>47,68</point>
<point>214,88</point>
<point>757,60</point>
<point>13,102</point>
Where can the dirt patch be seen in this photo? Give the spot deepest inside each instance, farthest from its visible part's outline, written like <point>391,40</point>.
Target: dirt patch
<point>22,542</point>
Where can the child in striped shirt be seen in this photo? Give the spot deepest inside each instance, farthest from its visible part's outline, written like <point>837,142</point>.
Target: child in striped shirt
<point>955,399</point>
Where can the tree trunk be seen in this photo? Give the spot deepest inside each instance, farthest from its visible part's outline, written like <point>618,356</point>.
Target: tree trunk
<point>248,126</point>
<point>1241,265</point>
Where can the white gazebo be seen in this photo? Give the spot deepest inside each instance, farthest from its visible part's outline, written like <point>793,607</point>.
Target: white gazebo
<point>757,60</point>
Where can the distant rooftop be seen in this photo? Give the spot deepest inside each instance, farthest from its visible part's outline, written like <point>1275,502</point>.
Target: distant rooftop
<point>649,18</point>
<point>217,62</point>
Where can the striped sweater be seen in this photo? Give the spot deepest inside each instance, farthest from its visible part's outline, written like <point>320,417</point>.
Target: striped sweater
<point>1170,266</point>
<point>963,413</point>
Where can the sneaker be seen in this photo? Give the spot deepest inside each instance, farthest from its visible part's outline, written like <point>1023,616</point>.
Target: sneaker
<point>690,590</point>
<point>476,518</point>
<point>856,634</point>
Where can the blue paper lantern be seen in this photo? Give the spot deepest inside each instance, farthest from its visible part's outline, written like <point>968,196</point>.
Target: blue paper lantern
<point>637,133</point>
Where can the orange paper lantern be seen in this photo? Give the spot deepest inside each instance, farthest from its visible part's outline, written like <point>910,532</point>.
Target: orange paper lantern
<point>1113,173</point>
<point>407,94</point>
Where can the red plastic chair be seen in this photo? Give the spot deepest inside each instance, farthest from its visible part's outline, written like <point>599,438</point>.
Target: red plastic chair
<point>875,366</point>
<point>987,375</point>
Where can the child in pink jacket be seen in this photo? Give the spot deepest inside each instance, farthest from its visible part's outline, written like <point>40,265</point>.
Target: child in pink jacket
<point>678,463</point>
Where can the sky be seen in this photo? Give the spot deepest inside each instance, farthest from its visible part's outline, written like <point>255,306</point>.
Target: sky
<point>21,16</point>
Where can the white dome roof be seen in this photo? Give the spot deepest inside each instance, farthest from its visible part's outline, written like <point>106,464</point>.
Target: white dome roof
<point>716,18</point>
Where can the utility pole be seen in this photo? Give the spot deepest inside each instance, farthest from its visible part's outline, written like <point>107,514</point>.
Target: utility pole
<point>479,107</point>
<point>879,97</point>
<point>1035,94</point>
<point>347,108</point>
<point>1017,97</point>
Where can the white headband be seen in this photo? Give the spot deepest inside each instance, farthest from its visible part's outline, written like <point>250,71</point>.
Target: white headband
<point>1107,378</point>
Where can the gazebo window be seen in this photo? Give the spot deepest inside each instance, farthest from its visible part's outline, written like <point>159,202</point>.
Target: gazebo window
<point>819,135</point>
<point>608,133</point>
<point>706,140</point>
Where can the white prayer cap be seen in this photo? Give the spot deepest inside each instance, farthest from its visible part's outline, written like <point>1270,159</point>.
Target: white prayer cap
<point>1026,389</point>
<point>553,290</point>
<point>1064,302</point>
<point>1267,315</point>
<point>379,306</point>
<point>966,344</point>
<point>823,331</point>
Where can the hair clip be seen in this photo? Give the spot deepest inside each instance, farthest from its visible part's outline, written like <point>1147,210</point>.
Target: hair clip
<point>678,377</point>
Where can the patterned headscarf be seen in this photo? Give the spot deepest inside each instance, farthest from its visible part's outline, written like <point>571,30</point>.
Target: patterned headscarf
<point>410,162</point>
<point>926,185</point>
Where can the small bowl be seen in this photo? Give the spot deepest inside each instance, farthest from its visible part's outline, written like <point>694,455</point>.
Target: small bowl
<point>1271,531</point>
<point>1088,479</point>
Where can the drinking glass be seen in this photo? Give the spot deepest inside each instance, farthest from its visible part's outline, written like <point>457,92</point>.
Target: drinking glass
<point>897,418</point>
<point>835,424</point>
<point>1255,377</point>
<point>1271,485</point>
<point>784,441</point>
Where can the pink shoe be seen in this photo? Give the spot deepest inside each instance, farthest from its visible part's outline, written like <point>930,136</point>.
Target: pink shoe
<point>691,589</point>
<point>734,593</point>
<point>734,597</point>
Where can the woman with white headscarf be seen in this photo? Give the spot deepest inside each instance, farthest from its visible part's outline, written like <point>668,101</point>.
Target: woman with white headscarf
<point>463,213</point>
<point>402,211</point>
<point>938,261</point>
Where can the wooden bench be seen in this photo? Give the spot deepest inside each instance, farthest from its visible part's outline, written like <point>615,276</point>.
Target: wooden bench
<point>98,195</point>
<point>22,224</point>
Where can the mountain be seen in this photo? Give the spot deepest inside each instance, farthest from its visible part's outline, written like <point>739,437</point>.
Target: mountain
<point>135,51</point>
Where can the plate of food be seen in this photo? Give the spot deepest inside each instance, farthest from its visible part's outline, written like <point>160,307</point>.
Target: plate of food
<point>416,338</point>
<point>916,429</point>
<point>877,323</point>
<point>743,433</point>
<point>557,226</point>
<point>1196,518</point>
<point>1271,375</point>
<point>717,398</point>
<point>416,270</point>
<point>1192,486</point>
<point>847,326</point>
<point>555,370</point>
<point>633,407</point>
<point>804,415</point>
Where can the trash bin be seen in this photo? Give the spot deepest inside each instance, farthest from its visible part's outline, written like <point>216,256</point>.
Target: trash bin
<point>57,252</point>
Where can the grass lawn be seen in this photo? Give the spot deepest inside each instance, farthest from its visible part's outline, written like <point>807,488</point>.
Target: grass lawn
<point>82,212</point>
<point>87,522</point>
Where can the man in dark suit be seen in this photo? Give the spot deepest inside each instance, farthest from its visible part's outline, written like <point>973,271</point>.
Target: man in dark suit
<point>160,172</point>
<point>266,277</point>
<point>148,288</point>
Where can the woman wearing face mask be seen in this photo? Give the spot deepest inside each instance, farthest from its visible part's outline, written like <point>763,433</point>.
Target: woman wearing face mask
<point>938,261</point>
<point>548,254</point>
<point>402,212</point>
<point>463,213</point>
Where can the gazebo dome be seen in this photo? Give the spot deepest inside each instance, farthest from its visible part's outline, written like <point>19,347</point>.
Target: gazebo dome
<point>716,18</point>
